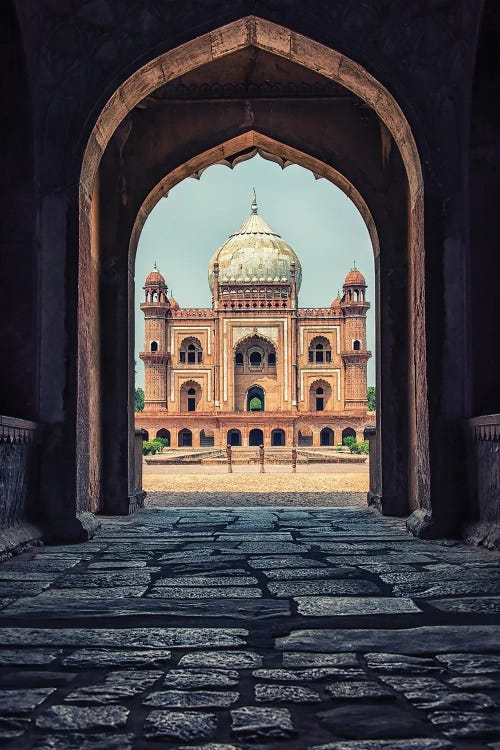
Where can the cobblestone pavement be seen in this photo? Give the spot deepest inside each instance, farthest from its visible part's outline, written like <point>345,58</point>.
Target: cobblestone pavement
<point>265,628</point>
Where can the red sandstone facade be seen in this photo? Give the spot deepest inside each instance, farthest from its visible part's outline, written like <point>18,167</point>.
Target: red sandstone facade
<point>255,368</point>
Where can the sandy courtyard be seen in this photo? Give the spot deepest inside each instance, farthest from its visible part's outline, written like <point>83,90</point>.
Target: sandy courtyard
<point>319,485</point>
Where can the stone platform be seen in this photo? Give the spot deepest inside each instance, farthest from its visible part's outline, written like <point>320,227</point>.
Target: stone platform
<point>265,628</point>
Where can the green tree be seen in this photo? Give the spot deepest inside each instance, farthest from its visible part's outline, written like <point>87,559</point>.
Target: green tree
<point>255,404</point>
<point>372,398</point>
<point>139,399</point>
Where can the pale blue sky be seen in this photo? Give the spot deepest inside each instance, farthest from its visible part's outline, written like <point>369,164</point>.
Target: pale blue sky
<point>316,219</point>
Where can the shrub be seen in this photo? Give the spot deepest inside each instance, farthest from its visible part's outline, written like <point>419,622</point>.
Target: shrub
<point>158,444</point>
<point>149,448</point>
<point>364,447</point>
<point>350,441</point>
<point>163,440</point>
<point>355,447</point>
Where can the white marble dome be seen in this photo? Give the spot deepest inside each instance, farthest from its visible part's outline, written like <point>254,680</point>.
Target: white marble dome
<point>254,254</point>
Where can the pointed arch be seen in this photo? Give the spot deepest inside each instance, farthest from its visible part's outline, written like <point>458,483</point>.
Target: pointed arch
<point>251,31</point>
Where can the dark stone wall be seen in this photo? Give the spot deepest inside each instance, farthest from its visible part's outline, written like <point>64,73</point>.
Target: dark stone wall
<point>18,266</point>
<point>484,192</point>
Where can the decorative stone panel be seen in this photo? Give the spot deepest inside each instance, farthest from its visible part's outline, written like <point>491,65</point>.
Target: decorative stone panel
<point>483,466</point>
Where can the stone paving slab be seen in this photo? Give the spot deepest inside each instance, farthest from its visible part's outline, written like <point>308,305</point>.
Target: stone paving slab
<point>96,654</point>
<point>339,606</point>
<point>127,637</point>
<point>433,640</point>
<point>75,741</point>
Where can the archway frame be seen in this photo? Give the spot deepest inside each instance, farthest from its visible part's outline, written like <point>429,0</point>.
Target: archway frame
<point>252,31</point>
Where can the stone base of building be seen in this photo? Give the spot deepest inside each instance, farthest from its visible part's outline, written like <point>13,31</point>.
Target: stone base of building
<point>19,538</point>
<point>72,529</point>
<point>206,429</point>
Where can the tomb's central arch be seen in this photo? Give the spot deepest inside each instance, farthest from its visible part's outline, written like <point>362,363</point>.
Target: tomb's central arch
<point>121,182</point>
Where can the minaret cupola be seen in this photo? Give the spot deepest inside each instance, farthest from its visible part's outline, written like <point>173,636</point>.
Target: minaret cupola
<point>155,288</point>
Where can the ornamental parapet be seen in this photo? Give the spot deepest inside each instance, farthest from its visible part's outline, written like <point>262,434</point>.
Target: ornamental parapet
<point>484,428</point>
<point>193,312</point>
<point>318,312</point>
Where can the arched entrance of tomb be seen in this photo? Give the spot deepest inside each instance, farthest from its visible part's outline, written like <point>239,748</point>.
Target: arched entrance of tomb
<point>405,465</point>
<point>278,437</point>
<point>254,363</point>
<point>256,399</point>
<point>234,437</point>
<point>326,436</point>
<point>256,437</point>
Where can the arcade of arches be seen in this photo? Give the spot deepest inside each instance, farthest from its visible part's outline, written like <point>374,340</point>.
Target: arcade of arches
<point>406,131</point>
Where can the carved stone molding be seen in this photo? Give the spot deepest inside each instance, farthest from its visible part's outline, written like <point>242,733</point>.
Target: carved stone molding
<point>14,430</point>
<point>484,428</point>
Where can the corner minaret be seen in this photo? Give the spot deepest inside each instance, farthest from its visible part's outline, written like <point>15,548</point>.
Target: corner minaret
<point>354,353</point>
<point>155,355</point>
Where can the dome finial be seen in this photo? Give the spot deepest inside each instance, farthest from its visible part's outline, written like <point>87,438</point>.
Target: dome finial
<point>155,267</point>
<point>254,202</point>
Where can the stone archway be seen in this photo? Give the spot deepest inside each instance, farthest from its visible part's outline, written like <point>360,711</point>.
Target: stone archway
<point>248,32</point>
<point>234,437</point>
<point>256,399</point>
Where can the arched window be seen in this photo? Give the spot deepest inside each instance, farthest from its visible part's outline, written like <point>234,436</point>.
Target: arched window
<point>271,359</point>
<point>256,437</point>
<point>320,350</point>
<point>238,358</point>
<point>191,352</point>
<point>234,437</point>
<point>185,438</point>
<point>326,436</point>
<point>191,400</point>
<point>278,437</point>
<point>356,345</point>
<point>255,359</point>
<point>154,346</point>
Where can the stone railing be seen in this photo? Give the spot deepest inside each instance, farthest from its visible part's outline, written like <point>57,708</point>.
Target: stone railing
<point>374,496</point>
<point>18,469</point>
<point>483,468</point>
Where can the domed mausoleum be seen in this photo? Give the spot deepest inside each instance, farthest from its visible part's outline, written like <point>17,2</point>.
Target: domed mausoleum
<point>255,255</point>
<point>255,367</point>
